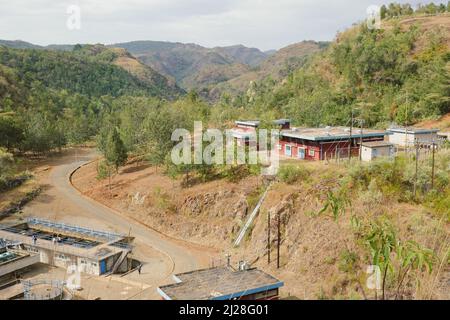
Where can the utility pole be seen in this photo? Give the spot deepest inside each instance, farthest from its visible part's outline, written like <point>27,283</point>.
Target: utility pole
<point>432,165</point>
<point>406,125</point>
<point>350,140</point>
<point>417,168</point>
<point>278,241</point>
<point>268,237</point>
<point>361,140</point>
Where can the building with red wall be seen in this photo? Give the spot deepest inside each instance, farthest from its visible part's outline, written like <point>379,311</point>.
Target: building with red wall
<point>325,143</point>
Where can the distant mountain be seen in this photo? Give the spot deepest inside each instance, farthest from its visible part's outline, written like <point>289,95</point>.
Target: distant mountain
<point>211,71</point>
<point>270,52</point>
<point>19,44</point>
<point>60,47</point>
<point>92,70</point>
<point>277,66</point>
<point>194,66</point>
<point>239,53</point>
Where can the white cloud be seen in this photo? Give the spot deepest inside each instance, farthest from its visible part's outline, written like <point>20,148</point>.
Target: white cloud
<point>264,24</point>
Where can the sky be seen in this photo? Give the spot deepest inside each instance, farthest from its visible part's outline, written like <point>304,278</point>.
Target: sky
<point>264,24</point>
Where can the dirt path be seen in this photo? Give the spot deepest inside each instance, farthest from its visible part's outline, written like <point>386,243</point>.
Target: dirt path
<point>161,255</point>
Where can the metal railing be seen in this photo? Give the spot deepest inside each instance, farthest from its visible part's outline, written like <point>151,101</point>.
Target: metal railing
<point>56,293</point>
<point>108,236</point>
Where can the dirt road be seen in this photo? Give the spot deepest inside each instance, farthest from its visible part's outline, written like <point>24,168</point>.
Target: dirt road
<point>161,255</point>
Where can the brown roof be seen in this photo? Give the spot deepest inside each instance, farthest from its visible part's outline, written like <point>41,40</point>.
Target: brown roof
<point>221,283</point>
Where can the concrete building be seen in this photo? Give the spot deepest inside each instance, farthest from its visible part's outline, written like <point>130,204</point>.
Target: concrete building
<point>14,260</point>
<point>443,136</point>
<point>407,137</point>
<point>222,283</point>
<point>62,245</point>
<point>325,143</point>
<point>377,149</point>
<point>244,130</point>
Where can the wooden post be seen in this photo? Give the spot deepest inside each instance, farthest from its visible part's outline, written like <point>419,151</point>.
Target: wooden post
<point>278,241</point>
<point>350,140</point>
<point>432,165</point>
<point>417,169</point>
<point>268,237</point>
<point>361,141</point>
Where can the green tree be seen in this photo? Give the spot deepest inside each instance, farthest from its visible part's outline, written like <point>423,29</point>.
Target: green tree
<point>115,152</point>
<point>6,162</point>
<point>11,132</point>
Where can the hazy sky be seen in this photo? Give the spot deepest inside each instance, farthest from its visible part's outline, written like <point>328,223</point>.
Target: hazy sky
<point>265,24</point>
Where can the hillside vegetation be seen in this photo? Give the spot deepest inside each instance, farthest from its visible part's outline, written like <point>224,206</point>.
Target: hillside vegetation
<point>91,71</point>
<point>400,73</point>
<point>213,72</point>
<point>194,66</point>
<point>276,67</point>
<point>52,98</point>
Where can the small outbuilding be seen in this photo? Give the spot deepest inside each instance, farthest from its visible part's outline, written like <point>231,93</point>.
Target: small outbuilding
<point>444,136</point>
<point>376,149</point>
<point>407,137</point>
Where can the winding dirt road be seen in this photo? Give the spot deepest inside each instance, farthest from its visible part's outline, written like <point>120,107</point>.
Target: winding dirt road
<point>60,201</point>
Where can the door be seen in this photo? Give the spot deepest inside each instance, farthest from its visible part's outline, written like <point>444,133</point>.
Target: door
<point>288,151</point>
<point>301,153</point>
<point>102,267</point>
<point>374,153</point>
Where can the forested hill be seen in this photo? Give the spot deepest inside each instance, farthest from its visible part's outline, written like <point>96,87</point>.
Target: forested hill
<point>91,71</point>
<point>400,73</point>
<point>49,98</point>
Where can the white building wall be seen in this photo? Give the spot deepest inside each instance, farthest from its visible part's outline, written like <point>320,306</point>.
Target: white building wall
<point>403,139</point>
<point>369,154</point>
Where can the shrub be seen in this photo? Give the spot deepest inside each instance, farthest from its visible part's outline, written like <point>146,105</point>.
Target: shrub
<point>236,173</point>
<point>348,261</point>
<point>102,170</point>
<point>373,196</point>
<point>292,174</point>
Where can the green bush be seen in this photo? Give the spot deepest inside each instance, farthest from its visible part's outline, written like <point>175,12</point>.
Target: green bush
<point>236,173</point>
<point>292,174</point>
<point>102,170</point>
<point>348,261</point>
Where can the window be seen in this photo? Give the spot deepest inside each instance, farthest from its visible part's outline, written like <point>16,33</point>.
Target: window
<point>33,250</point>
<point>288,151</point>
<point>311,152</point>
<point>60,256</point>
<point>280,147</point>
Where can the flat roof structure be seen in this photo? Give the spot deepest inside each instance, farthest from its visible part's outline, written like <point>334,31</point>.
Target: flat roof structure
<point>96,245</point>
<point>248,123</point>
<point>331,133</point>
<point>14,260</point>
<point>377,144</point>
<point>221,283</point>
<point>256,123</point>
<point>412,130</point>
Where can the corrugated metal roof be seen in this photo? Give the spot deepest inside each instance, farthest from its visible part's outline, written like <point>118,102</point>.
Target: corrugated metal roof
<point>219,283</point>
